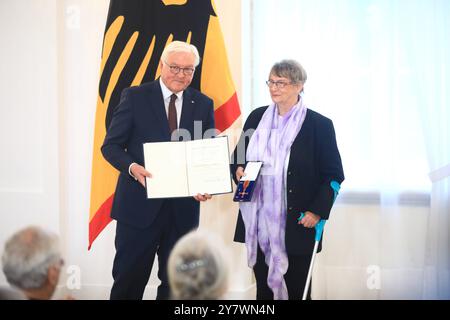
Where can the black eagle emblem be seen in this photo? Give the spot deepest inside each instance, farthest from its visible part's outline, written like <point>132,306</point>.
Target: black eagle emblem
<point>153,19</point>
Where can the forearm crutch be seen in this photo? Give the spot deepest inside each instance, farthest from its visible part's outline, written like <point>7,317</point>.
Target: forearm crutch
<point>319,230</point>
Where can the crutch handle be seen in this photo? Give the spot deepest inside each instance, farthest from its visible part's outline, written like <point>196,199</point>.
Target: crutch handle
<point>336,187</point>
<point>319,229</point>
<point>319,226</point>
<point>302,215</point>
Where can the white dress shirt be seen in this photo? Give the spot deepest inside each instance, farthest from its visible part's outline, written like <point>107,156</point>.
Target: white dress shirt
<point>178,103</point>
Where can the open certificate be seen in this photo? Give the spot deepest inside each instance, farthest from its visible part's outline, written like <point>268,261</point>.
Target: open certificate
<point>186,168</point>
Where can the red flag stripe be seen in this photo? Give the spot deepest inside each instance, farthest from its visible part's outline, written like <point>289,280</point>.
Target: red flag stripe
<point>227,113</point>
<point>100,220</point>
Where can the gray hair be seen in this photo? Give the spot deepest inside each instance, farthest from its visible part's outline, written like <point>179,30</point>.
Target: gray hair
<point>197,267</point>
<point>27,257</point>
<point>179,46</point>
<point>290,69</point>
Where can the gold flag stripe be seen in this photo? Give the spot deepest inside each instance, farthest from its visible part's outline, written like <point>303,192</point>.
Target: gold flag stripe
<point>144,65</point>
<point>189,37</point>
<point>158,71</point>
<point>216,75</point>
<point>120,66</point>
<point>110,39</point>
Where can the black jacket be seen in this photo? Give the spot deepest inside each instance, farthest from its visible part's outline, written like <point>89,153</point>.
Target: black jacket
<point>314,162</point>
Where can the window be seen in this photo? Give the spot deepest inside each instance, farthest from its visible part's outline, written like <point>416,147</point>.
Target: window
<point>363,73</point>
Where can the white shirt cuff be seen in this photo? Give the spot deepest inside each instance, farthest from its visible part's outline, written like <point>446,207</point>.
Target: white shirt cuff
<point>129,171</point>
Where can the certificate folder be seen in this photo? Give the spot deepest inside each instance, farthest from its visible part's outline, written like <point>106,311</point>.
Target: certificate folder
<point>246,185</point>
<point>186,168</point>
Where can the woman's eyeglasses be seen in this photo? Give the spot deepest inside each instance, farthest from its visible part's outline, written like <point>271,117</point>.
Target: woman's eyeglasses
<point>277,84</point>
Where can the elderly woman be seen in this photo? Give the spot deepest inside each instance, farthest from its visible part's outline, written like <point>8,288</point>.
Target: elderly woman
<point>198,268</point>
<point>300,159</point>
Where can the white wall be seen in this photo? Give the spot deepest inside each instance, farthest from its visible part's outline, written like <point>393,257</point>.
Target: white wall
<point>372,254</point>
<point>82,25</point>
<point>29,140</point>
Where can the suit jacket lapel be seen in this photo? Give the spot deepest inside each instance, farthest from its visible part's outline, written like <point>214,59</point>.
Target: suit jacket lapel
<point>156,101</point>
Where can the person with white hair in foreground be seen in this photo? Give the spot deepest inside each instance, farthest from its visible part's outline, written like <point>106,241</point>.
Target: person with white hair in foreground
<point>32,262</point>
<point>197,267</point>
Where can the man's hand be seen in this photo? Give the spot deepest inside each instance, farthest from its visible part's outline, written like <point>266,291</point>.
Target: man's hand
<point>309,220</point>
<point>239,173</point>
<point>202,197</point>
<point>140,173</point>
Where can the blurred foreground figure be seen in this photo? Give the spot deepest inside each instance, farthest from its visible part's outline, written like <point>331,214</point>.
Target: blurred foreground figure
<point>198,267</point>
<point>32,262</point>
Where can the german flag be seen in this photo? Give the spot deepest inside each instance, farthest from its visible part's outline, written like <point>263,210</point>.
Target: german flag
<point>135,36</point>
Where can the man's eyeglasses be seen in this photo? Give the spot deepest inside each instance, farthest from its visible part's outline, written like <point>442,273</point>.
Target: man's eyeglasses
<point>177,69</point>
<point>277,84</point>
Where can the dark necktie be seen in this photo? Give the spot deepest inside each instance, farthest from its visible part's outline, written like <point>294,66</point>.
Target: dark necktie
<point>172,113</point>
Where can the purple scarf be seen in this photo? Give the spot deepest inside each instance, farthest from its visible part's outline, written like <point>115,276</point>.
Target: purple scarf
<point>265,216</point>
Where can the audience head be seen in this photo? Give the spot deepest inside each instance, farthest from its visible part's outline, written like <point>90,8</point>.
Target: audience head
<point>197,267</point>
<point>32,262</point>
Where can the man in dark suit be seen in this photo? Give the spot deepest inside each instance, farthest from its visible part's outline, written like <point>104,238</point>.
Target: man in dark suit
<point>152,112</point>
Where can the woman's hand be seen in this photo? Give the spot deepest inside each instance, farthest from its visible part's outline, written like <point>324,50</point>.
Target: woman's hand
<point>309,220</point>
<point>239,173</point>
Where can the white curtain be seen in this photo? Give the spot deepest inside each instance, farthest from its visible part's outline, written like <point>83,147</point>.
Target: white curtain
<point>431,52</point>
<point>378,69</point>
